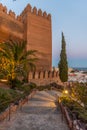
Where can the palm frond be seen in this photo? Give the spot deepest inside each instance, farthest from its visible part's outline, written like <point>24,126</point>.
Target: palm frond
<point>19,60</point>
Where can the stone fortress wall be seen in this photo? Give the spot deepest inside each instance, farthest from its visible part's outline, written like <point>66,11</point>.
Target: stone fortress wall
<point>33,26</point>
<point>44,77</point>
<point>10,25</point>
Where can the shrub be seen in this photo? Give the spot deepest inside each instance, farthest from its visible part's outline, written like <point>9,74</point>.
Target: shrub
<point>79,111</point>
<point>26,88</point>
<point>16,83</point>
<point>55,85</point>
<point>8,96</point>
<point>40,88</point>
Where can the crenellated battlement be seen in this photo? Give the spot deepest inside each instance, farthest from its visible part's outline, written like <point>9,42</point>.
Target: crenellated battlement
<point>34,26</point>
<point>27,9</point>
<point>3,8</point>
<point>10,13</point>
<point>44,77</point>
<point>36,12</point>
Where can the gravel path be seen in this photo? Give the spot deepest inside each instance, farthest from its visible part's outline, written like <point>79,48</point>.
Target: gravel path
<point>41,113</point>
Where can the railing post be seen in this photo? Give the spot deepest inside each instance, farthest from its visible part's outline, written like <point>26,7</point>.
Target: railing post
<point>9,115</point>
<point>27,99</point>
<point>21,104</point>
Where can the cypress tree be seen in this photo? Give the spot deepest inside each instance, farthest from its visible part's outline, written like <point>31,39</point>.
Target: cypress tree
<point>63,64</point>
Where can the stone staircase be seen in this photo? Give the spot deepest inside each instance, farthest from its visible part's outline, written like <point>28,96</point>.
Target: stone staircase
<point>41,113</point>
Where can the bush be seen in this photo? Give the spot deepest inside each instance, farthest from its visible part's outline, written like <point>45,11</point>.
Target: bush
<point>79,111</point>
<point>26,88</point>
<point>32,85</point>
<point>8,96</point>
<point>2,76</point>
<point>14,83</point>
<point>55,85</point>
<point>40,88</point>
<point>83,117</point>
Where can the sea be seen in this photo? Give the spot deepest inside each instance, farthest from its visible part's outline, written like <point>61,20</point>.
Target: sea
<point>80,69</point>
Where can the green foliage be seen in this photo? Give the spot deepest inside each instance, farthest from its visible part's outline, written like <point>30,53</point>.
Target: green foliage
<point>14,83</point>
<point>43,87</point>
<point>79,91</point>
<point>75,108</point>
<point>64,99</point>
<point>26,88</point>
<point>8,96</point>
<point>2,76</point>
<point>63,64</point>
<point>15,60</point>
<point>57,86</point>
<point>50,86</point>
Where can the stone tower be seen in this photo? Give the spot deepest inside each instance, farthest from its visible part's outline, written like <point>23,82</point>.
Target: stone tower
<point>32,25</point>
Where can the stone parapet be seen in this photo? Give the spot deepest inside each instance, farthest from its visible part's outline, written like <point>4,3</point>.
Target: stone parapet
<point>9,13</point>
<point>43,77</point>
<point>35,11</point>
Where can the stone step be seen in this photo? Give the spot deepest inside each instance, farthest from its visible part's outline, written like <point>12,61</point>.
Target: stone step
<point>40,110</point>
<point>42,97</point>
<point>41,104</point>
<point>54,93</point>
<point>46,94</point>
<point>40,113</point>
<point>39,122</point>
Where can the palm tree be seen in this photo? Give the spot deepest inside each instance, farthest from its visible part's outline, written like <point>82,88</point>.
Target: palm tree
<point>17,61</point>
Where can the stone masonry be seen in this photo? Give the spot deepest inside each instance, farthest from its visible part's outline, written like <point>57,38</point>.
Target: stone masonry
<point>44,77</point>
<point>33,26</point>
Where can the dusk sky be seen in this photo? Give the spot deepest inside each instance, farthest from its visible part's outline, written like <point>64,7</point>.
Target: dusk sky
<point>69,16</point>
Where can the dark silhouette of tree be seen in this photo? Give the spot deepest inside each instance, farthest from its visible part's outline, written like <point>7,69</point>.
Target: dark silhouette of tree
<point>63,64</point>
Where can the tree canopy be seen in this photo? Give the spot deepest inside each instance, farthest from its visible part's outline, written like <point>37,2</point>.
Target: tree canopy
<point>63,64</point>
